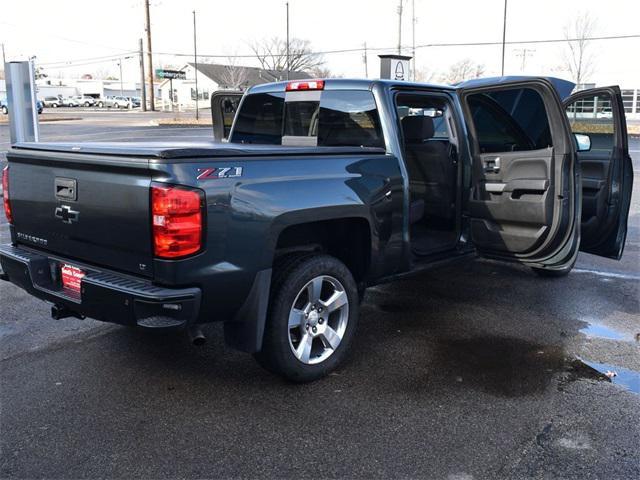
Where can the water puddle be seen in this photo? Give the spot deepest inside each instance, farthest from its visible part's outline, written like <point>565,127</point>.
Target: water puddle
<point>596,330</point>
<point>618,375</point>
<point>511,367</point>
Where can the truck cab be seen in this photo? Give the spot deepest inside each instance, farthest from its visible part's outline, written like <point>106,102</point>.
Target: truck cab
<point>504,166</point>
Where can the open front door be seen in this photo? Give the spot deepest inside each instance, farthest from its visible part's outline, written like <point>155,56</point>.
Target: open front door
<point>223,110</point>
<point>523,204</point>
<point>597,118</point>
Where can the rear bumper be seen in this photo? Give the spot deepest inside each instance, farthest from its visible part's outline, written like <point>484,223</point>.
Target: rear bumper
<point>104,295</point>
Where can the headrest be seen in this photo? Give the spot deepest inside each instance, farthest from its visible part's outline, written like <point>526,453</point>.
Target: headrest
<point>417,128</point>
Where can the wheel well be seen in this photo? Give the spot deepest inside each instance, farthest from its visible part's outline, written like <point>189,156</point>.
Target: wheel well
<point>347,239</point>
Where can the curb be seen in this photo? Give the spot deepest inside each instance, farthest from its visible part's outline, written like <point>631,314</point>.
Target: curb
<point>46,120</point>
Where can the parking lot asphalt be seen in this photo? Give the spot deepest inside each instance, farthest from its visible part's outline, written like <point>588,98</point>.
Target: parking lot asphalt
<point>476,370</point>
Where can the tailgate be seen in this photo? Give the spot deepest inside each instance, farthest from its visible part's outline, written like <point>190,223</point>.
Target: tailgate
<point>91,208</point>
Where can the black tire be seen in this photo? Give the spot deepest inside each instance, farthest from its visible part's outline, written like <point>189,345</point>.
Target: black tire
<point>100,104</point>
<point>289,278</point>
<point>5,110</point>
<point>54,105</point>
<point>115,105</point>
<point>87,104</point>
<point>546,273</point>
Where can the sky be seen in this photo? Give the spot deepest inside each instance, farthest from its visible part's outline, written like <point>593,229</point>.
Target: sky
<point>74,30</point>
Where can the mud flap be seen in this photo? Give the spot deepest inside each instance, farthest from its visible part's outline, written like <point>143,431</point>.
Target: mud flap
<point>246,330</point>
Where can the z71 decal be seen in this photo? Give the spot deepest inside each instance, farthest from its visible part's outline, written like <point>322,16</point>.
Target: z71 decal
<point>223,172</point>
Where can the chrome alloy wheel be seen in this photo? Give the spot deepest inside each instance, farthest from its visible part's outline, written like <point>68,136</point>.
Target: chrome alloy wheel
<point>318,320</point>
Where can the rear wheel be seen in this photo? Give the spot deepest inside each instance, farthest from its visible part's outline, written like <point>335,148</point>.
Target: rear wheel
<point>100,104</point>
<point>5,110</point>
<point>312,318</point>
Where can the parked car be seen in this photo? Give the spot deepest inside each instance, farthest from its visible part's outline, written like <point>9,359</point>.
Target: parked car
<point>114,102</point>
<point>325,188</point>
<point>4,106</point>
<point>135,101</point>
<point>84,101</point>
<point>53,102</point>
<point>70,102</point>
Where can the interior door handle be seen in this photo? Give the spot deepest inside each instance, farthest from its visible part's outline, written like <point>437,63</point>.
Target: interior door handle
<point>492,165</point>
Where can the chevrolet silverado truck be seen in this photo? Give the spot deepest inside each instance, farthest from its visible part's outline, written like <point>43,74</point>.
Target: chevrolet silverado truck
<point>322,189</point>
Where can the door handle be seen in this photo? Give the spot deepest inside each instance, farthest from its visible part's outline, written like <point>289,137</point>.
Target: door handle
<point>492,165</point>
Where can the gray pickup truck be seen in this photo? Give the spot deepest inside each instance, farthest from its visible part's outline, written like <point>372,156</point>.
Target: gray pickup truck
<point>323,188</point>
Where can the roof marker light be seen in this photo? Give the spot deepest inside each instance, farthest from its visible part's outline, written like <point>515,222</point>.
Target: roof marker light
<point>305,85</point>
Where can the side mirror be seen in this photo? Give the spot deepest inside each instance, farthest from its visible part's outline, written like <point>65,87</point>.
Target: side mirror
<point>583,141</point>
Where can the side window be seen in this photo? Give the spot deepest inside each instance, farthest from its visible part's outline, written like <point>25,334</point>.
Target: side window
<point>510,120</point>
<point>593,116</point>
<point>433,108</point>
<point>260,119</point>
<point>349,118</point>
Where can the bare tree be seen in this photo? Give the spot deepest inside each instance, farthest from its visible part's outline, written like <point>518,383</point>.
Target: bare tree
<point>577,58</point>
<point>463,70</point>
<point>322,72</point>
<point>234,76</point>
<point>424,75</point>
<point>272,54</point>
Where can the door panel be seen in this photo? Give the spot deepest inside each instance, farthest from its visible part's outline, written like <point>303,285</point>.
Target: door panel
<point>522,202</point>
<point>607,172</point>
<point>512,205</point>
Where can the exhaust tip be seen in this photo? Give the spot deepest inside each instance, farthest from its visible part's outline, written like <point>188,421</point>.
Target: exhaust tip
<point>196,336</point>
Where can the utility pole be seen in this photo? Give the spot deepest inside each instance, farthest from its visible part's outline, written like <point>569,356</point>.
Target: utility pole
<point>195,62</point>
<point>524,52</point>
<point>400,27</point>
<point>147,27</point>
<point>142,89</point>
<point>4,60</point>
<point>364,58</point>
<point>413,39</point>
<point>288,60</point>
<point>504,34</point>
<point>121,89</point>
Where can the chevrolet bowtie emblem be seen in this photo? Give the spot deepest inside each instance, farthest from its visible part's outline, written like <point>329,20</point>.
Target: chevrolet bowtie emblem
<point>67,215</point>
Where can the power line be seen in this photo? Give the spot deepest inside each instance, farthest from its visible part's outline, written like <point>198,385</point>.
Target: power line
<point>426,45</point>
<point>88,59</point>
<point>92,60</point>
<point>67,39</point>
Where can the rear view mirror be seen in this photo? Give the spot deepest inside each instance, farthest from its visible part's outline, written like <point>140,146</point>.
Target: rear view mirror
<point>583,141</point>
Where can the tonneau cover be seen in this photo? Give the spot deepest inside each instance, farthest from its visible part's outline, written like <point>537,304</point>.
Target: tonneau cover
<point>175,150</point>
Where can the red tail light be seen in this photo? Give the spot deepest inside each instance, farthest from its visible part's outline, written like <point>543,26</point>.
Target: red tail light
<point>5,194</point>
<point>177,220</point>
<point>305,85</point>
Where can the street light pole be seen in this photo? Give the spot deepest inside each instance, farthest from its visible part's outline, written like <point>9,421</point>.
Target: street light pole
<point>142,89</point>
<point>400,27</point>
<point>288,59</point>
<point>413,38</point>
<point>121,89</point>
<point>504,34</point>
<point>195,62</point>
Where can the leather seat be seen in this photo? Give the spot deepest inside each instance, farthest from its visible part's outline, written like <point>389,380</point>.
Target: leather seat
<point>429,165</point>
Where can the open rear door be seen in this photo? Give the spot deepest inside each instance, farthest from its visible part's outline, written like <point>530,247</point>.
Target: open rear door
<point>523,204</point>
<point>223,110</point>
<point>597,117</point>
